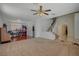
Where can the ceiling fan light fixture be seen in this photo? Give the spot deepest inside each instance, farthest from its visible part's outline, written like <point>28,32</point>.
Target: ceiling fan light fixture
<point>41,11</point>
<point>41,14</point>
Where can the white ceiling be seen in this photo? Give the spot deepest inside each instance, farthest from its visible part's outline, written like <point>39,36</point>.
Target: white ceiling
<point>23,10</point>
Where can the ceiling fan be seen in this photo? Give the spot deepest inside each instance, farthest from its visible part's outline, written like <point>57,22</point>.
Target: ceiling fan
<point>41,12</point>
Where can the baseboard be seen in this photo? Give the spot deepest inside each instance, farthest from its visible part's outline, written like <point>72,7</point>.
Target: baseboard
<point>3,42</point>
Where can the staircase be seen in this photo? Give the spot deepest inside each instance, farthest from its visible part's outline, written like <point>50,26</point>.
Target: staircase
<point>52,25</point>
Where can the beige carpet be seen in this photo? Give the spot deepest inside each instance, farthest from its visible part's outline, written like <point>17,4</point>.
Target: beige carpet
<point>38,47</point>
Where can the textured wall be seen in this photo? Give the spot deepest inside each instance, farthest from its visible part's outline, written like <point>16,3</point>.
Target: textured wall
<point>41,24</point>
<point>69,21</point>
<point>1,21</point>
<point>77,25</point>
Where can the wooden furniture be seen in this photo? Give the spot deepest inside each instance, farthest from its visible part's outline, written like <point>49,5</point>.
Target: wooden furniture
<point>22,35</point>
<point>4,36</point>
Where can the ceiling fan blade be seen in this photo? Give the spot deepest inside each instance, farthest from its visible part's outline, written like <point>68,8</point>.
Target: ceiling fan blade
<point>46,13</point>
<point>34,10</point>
<point>35,13</point>
<point>47,10</point>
